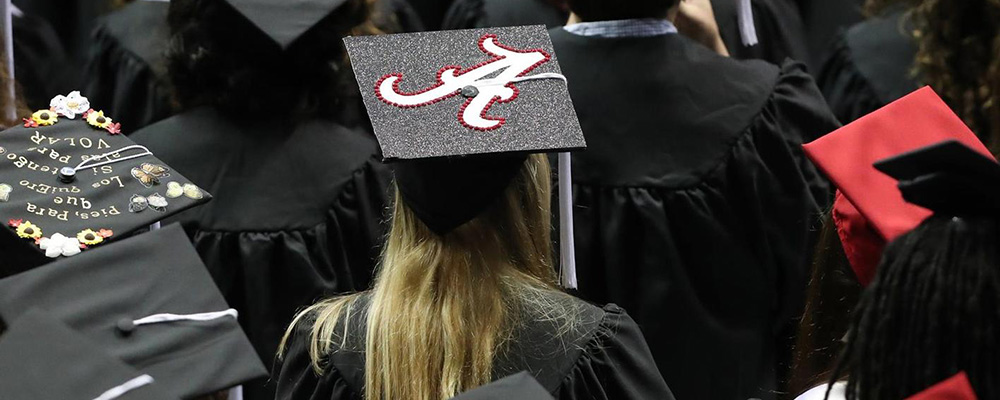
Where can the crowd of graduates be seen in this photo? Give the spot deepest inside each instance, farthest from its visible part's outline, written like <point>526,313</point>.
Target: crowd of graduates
<point>532,199</point>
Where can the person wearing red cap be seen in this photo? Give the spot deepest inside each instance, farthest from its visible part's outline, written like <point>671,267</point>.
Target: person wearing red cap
<point>916,277</point>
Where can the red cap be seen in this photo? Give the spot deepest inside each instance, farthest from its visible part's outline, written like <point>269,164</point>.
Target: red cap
<point>954,388</point>
<point>847,156</point>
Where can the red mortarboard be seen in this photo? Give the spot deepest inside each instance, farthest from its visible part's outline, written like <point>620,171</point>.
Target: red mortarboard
<point>847,156</point>
<point>954,388</point>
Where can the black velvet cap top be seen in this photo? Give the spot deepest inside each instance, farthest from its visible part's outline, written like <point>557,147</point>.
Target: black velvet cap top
<point>520,386</point>
<point>459,110</point>
<point>285,21</point>
<point>42,358</point>
<point>947,177</point>
<point>69,185</point>
<point>149,301</point>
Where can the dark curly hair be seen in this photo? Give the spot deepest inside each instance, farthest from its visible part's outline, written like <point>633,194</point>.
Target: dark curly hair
<point>959,56</point>
<point>217,57</point>
<point>933,310</point>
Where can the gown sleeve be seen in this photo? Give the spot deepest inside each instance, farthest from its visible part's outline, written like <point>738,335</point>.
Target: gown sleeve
<point>615,365</point>
<point>123,84</point>
<point>847,91</point>
<point>464,14</point>
<point>296,378</point>
<point>269,276</point>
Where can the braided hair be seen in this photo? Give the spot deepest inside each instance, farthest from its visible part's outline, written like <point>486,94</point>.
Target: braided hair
<point>933,310</point>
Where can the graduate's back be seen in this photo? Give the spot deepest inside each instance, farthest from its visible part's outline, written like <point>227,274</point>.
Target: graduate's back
<point>272,122</point>
<point>693,203</point>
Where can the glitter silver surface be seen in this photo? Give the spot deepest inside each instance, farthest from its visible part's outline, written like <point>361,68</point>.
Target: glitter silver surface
<point>540,119</point>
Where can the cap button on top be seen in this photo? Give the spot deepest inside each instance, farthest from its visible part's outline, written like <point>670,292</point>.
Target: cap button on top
<point>126,326</point>
<point>470,91</point>
<point>67,174</point>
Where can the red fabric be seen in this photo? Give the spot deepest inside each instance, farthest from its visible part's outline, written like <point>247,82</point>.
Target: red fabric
<point>847,156</point>
<point>954,388</point>
<point>862,245</point>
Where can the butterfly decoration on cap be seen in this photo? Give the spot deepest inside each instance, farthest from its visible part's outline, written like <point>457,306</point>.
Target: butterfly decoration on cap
<point>149,174</point>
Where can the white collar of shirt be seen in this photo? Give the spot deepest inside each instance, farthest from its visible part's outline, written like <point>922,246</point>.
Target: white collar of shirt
<point>645,27</point>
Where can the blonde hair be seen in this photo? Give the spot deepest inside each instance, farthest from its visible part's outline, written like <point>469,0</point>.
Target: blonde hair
<point>443,308</point>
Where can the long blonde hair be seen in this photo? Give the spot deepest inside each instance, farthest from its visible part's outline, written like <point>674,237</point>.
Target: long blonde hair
<point>443,308</point>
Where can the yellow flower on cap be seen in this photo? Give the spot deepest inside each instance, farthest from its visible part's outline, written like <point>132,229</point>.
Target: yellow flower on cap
<point>28,230</point>
<point>98,120</point>
<point>45,117</point>
<point>89,237</point>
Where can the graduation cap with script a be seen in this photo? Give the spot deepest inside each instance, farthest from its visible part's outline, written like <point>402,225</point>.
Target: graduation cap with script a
<point>69,181</point>
<point>42,358</point>
<point>457,112</point>
<point>149,301</point>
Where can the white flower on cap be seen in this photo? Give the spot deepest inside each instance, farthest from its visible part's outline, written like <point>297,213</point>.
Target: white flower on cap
<point>59,245</point>
<point>71,105</point>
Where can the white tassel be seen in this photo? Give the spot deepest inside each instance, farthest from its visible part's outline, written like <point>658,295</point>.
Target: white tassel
<point>567,248</point>
<point>748,32</point>
<point>8,37</point>
<point>120,390</point>
<point>160,318</point>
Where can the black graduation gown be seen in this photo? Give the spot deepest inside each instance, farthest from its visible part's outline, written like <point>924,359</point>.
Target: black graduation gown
<point>42,66</point>
<point>465,14</point>
<point>779,27</point>
<point>603,358</point>
<point>295,216</point>
<point>694,204</point>
<point>871,66</point>
<point>126,71</point>
<point>824,19</point>
<point>779,30</point>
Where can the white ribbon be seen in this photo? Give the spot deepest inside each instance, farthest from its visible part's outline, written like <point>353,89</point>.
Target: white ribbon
<point>567,247</point>
<point>161,318</point>
<point>748,31</point>
<point>120,390</point>
<point>8,36</point>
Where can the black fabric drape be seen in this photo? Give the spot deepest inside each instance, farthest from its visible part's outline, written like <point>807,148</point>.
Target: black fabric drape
<point>694,205</point>
<point>871,66</point>
<point>603,357</point>
<point>296,215</point>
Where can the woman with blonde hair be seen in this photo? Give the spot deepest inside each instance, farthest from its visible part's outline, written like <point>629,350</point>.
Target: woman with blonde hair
<point>466,291</point>
<point>452,312</point>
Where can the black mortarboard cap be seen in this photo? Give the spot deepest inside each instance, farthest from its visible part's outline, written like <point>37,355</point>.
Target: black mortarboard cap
<point>285,21</point>
<point>459,110</point>
<point>149,301</point>
<point>947,177</point>
<point>44,213</point>
<point>520,386</point>
<point>42,358</point>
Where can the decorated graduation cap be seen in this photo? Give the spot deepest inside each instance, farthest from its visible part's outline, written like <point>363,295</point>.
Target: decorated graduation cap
<point>957,387</point>
<point>869,210</point>
<point>458,112</point>
<point>947,177</point>
<point>69,181</point>
<point>42,358</point>
<point>149,301</point>
<point>521,386</point>
<point>284,21</point>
